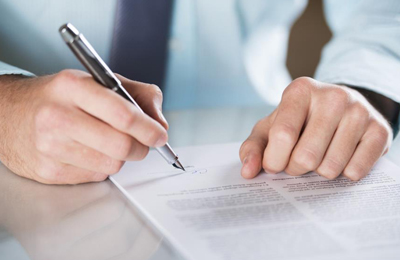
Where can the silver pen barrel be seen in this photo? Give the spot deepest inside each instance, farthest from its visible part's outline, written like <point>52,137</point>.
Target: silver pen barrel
<point>169,155</point>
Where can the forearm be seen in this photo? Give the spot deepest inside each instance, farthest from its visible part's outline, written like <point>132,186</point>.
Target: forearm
<point>13,92</point>
<point>10,85</point>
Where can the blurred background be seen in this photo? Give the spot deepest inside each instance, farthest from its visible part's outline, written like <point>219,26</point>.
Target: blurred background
<point>307,37</point>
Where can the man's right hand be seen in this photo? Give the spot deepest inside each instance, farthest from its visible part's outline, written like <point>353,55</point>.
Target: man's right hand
<point>68,129</point>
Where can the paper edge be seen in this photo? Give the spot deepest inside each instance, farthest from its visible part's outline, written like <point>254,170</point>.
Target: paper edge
<point>155,225</point>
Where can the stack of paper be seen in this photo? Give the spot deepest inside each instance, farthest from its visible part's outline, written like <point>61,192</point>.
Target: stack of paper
<point>211,212</point>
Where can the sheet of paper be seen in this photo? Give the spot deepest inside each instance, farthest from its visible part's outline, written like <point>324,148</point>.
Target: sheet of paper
<point>211,212</point>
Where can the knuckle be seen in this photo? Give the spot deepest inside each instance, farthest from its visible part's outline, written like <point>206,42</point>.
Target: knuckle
<point>50,116</point>
<point>45,115</point>
<point>48,173</point>
<point>268,167</point>
<point>123,147</point>
<point>284,133</point>
<point>128,150</point>
<point>303,81</point>
<point>67,76</point>
<point>380,135</point>
<point>299,86</point>
<point>141,153</point>
<point>126,118</point>
<point>45,145</point>
<point>359,113</point>
<point>253,145</point>
<point>98,177</point>
<point>153,135</point>
<point>359,109</point>
<point>336,99</point>
<point>330,168</point>
<point>114,166</point>
<point>67,81</point>
<point>244,148</point>
<point>306,159</point>
<point>247,145</point>
<point>338,95</point>
<point>156,90</point>
<point>355,172</point>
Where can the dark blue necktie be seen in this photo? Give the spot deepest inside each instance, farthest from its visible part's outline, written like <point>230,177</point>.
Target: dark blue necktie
<point>139,46</point>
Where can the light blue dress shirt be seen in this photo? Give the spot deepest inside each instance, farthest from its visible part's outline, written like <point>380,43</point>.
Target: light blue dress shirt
<point>221,53</point>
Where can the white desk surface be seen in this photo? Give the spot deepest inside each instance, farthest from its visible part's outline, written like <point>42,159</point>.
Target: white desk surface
<point>95,221</point>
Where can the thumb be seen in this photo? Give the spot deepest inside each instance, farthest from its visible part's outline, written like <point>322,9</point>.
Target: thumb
<point>252,150</point>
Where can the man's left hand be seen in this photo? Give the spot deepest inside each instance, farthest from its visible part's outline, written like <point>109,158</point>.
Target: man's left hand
<point>330,129</point>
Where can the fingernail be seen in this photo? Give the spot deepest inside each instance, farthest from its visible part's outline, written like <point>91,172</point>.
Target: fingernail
<point>245,161</point>
<point>246,171</point>
<point>161,141</point>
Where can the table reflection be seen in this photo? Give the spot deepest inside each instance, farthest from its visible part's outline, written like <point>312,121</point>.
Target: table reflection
<point>88,221</point>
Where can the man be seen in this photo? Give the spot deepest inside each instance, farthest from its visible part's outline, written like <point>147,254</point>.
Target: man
<point>65,128</point>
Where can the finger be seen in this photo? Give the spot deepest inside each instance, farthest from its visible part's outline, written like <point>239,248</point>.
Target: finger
<point>148,96</point>
<point>324,120</point>
<point>118,112</point>
<point>91,132</point>
<point>57,173</point>
<point>371,147</point>
<point>344,143</point>
<point>286,128</point>
<point>252,149</point>
<point>80,156</point>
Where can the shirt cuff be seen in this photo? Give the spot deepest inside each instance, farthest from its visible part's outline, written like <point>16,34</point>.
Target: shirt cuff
<point>364,68</point>
<point>6,69</point>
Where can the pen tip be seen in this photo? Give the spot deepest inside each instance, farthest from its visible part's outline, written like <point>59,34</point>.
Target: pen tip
<point>178,165</point>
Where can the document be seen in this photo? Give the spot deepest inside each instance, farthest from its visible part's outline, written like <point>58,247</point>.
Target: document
<point>211,212</point>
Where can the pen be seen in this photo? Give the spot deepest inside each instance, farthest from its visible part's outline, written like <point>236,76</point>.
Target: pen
<point>103,75</point>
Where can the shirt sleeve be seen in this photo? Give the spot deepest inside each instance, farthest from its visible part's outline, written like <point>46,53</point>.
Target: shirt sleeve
<point>6,69</point>
<point>365,47</point>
